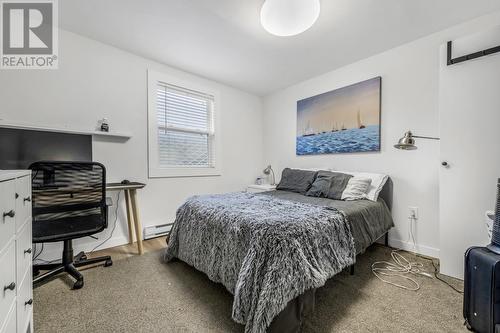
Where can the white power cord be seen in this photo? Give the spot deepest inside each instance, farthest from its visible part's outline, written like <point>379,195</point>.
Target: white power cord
<point>400,267</point>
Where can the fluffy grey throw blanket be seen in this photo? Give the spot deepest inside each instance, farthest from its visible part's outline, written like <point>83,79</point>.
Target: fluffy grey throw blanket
<point>265,251</point>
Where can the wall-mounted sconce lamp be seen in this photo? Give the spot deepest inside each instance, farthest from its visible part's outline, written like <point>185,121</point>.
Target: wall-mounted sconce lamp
<point>407,142</point>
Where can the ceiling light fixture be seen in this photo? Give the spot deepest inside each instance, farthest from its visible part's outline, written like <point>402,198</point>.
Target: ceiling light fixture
<point>289,17</point>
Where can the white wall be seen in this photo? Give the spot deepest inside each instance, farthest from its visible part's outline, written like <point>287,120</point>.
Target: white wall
<point>410,98</point>
<point>95,80</point>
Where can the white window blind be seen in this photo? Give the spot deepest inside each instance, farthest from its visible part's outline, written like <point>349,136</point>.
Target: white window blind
<point>185,127</point>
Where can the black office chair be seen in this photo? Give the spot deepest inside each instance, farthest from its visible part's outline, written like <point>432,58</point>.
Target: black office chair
<point>69,202</point>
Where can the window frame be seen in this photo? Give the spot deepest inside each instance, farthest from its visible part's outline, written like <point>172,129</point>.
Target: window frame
<point>155,170</point>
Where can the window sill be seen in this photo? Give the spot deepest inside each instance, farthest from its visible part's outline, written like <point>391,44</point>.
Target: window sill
<point>184,172</point>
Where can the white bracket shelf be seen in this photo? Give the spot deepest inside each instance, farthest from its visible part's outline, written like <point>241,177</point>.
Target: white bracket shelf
<point>118,135</point>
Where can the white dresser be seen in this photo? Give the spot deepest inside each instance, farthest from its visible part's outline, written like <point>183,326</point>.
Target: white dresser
<point>16,287</point>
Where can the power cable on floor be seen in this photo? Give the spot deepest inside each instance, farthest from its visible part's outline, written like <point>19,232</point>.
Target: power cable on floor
<point>436,275</point>
<point>400,268</point>
<point>404,269</point>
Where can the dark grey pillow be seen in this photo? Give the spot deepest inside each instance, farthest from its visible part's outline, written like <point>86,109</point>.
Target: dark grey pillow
<point>295,180</point>
<point>329,185</point>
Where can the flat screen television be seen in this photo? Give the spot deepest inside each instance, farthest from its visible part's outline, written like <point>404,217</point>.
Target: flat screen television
<point>21,147</point>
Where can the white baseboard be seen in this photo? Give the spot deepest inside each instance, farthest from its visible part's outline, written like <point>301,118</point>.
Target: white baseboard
<point>53,251</point>
<point>408,246</point>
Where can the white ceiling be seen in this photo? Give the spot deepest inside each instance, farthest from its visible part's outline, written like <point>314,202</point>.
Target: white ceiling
<point>223,40</point>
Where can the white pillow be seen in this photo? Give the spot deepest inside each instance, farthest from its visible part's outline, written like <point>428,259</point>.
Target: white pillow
<point>378,182</point>
<point>356,188</point>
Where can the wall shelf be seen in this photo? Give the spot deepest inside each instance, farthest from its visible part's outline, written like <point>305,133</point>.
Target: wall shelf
<point>117,135</point>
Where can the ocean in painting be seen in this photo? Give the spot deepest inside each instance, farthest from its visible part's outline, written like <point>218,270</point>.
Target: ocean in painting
<point>347,141</point>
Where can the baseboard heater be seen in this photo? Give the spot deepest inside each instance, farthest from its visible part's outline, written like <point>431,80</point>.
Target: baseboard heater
<point>157,230</point>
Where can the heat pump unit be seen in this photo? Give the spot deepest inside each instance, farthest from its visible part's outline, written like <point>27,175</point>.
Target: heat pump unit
<point>157,230</point>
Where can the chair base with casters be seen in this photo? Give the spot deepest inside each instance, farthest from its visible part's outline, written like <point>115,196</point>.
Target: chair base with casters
<point>69,264</point>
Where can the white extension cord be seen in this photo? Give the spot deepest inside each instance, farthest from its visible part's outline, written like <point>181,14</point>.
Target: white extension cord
<point>401,267</point>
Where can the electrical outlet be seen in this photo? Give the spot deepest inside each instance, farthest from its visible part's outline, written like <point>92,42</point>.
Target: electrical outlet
<point>413,212</point>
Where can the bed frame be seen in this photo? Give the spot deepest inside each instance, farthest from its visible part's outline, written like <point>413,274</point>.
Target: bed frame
<point>290,320</point>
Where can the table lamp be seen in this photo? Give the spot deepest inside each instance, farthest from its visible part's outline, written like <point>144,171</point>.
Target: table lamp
<point>269,170</point>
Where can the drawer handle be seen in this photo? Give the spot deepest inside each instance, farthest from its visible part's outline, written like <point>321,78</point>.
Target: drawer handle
<point>29,302</point>
<point>27,199</point>
<point>9,214</point>
<point>27,251</point>
<point>11,286</point>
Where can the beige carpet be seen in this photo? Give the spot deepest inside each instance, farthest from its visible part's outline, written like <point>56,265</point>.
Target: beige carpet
<point>142,294</point>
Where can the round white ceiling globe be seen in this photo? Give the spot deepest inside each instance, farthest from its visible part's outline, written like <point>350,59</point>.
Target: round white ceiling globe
<point>289,17</point>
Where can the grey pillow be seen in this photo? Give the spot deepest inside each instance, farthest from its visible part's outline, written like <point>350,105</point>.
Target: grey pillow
<point>329,185</point>
<point>295,180</point>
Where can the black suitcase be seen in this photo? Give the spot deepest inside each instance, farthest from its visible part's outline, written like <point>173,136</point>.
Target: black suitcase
<point>482,290</point>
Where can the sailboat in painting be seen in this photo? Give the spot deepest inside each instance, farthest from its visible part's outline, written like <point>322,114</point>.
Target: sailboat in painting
<point>308,130</point>
<point>360,124</point>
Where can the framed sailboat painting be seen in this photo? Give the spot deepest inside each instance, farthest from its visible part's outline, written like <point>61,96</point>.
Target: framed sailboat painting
<point>345,120</point>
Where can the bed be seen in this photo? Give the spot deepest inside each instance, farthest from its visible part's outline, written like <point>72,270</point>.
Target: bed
<point>370,221</point>
<point>274,275</point>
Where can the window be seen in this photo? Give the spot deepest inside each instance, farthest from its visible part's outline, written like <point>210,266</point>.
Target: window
<point>182,124</point>
<point>185,127</point>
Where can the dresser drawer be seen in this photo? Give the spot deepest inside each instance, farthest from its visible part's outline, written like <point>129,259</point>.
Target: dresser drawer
<point>9,326</point>
<point>7,277</point>
<point>24,304</point>
<point>23,251</point>
<point>23,200</point>
<point>7,211</point>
